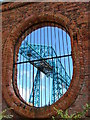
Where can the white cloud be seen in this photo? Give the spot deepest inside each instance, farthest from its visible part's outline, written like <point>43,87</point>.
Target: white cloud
<point>25,94</point>
<point>42,75</point>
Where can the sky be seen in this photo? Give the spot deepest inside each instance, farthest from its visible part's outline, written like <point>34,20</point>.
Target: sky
<point>61,44</point>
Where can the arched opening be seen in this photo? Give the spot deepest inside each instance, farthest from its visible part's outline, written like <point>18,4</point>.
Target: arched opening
<point>44,66</point>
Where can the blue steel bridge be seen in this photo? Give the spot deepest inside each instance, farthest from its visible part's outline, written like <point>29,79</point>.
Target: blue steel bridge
<point>45,59</point>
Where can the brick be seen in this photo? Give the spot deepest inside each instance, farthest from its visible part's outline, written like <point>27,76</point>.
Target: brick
<point>16,19</point>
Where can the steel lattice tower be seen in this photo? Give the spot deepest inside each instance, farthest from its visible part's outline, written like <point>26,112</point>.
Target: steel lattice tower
<point>38,55</point>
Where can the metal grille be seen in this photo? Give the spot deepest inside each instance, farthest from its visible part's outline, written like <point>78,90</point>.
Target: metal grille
<point>44,66</point>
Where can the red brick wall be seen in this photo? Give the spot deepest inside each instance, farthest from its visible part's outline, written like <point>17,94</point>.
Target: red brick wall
<point>16,19</point>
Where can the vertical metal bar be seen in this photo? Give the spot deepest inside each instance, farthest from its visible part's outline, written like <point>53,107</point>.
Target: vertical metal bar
<point>64,57</point>
<point>49,90</point>
<point>51,60</point>
<point>57,84</point>
<point>22,75</point>
<point>68,54</point>
<point>44,39</point>
<point>61,68</point>
<point>47,47</point>
<point>26,72</point>
<point>45,78</point>
<point>65,62</point>
<point>32,80</point>
<point>19,72</point>
<point>40,72</point>
<point>41,88</point>
<point>37,37</point>
<point>53,97</point>
<point>48,40</point>
<point>56,62</point>
<point>23,69</point>
<point>33,84</point>
<point>29,79</point>
<point>48,57</point>
<point>30,70</point>
<point>60,58</point>
<point>49,85</point>
<point>45,75</point>
<point>34,90</point>
<point>26,81</point>
<point>59,44</point>
<point>45,89</point>
<point>55,39</point>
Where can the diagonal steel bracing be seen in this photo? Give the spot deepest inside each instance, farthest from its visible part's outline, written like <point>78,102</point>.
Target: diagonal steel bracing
<point>50,67</point>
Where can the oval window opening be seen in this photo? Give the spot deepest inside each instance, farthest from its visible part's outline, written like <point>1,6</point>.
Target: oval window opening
<point>44,66</point>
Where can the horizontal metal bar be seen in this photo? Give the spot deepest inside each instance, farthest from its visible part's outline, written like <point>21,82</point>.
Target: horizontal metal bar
<point>44,59</point>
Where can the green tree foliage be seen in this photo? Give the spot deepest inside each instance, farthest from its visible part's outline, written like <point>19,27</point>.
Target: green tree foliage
<point>4,114</point>
<point>78,115</point>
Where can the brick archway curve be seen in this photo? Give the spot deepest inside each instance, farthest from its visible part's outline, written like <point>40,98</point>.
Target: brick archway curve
<point>68,98</point>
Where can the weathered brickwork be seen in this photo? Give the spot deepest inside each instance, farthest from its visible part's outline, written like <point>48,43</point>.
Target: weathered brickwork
<point>17,19</point>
